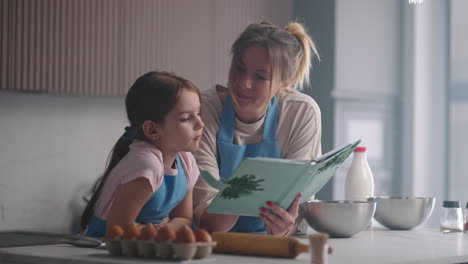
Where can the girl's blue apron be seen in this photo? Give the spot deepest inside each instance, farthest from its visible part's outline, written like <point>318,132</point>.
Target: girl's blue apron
<point>167,197</point>
<point>231,155</point>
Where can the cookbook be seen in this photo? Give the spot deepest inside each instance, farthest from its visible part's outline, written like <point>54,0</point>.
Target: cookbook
<point>258,180</point>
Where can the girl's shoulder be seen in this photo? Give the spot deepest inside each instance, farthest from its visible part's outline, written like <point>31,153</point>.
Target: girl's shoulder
<point>144,148</point>
<point>191,167</point>
<point>142,161</point>
<point>144,154</point>
<point>188,160</point>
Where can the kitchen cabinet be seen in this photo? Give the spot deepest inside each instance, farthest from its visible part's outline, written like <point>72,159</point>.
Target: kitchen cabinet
<point>375,245</point>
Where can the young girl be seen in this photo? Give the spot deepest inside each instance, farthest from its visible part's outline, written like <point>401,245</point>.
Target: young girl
<point>151,173</point>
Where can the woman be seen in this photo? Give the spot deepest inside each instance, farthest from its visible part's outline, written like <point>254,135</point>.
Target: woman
<point>259,115</point>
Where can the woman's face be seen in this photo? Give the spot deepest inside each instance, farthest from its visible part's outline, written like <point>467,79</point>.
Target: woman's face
<point>250,80</point>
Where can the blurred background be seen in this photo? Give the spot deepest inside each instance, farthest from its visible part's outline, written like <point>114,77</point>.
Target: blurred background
<point>393,74</point>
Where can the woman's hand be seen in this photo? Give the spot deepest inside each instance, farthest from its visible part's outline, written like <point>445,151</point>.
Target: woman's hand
<point>281,222</point>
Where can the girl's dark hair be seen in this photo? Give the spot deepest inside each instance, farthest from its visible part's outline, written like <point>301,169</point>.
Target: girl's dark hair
<point>151,97</point>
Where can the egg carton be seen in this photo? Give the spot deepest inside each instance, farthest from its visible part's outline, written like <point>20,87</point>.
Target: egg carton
<point>159,250</point>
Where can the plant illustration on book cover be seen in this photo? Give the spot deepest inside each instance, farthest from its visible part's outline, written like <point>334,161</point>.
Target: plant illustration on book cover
<point>258,180</point>
<point>242,186</point>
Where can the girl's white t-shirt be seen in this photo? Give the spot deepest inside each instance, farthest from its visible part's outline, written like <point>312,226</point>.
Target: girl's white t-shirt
<point>143,160</point>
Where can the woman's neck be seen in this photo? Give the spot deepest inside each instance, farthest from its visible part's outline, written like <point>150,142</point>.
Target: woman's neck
<point>250,118</point>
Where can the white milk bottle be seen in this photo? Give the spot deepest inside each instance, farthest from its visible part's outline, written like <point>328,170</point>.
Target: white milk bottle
<point>359,181</point>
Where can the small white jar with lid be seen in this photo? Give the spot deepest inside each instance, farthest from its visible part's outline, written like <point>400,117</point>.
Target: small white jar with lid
<point>451,218</point>
<point>466,219</point>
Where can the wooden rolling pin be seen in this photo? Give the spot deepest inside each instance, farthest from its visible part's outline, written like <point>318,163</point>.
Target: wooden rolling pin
<point>259,245</point>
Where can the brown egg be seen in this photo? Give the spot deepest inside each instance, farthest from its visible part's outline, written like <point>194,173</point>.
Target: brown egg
<point>148,232</point>
<point>131,231</point>
<point>114,231</point>
<point>185,235</point>
<point>202,235</point>
<point>165,233</point>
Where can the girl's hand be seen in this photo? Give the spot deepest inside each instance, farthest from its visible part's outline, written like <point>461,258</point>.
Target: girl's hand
<point>281,222</point>
<point>163,223</point>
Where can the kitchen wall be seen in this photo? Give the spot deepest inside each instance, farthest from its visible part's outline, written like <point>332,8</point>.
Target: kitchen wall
<point>425,85</point>
<point>100,47</point>
<point>367,86</point>
<point>387,85</point>
<point>358,82</point>
<point>53,146</point>
<point>458,100</point>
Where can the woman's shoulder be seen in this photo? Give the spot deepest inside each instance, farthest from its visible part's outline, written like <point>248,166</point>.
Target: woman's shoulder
<point>293,100</point>
<point>212,102</point>
<point>215,95</point>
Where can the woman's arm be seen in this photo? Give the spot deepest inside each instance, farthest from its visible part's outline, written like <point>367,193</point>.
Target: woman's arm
<point>217,222</point>
<point>206,156</point>
<point>299,138</point>
<point>299,135</point>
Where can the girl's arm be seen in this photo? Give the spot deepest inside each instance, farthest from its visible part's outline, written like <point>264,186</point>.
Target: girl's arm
<point>130,198</point>
<point>182,214</point>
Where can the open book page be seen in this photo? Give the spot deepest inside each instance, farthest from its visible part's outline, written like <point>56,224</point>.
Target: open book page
<point>335,151</point>
<point>258,180</point>
<point>252,184</point>
<point>318,174</point>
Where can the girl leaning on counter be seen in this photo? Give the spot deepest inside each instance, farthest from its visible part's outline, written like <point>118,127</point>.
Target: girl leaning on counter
<point>259,114</point>
<point>151,173</point>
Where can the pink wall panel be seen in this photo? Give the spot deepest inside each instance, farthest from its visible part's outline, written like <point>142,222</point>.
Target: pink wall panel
<point>99,47</point>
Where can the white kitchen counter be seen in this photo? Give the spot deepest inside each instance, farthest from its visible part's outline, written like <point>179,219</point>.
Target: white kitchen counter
<point>376,245</point>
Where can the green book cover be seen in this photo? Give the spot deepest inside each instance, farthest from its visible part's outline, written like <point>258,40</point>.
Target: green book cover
<point>258,180</point>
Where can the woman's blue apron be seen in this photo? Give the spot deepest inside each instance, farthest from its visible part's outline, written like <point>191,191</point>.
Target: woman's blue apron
<point>170,193</point>
<point>231,155</point>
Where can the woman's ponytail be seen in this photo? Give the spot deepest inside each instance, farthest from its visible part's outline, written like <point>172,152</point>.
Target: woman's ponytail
<point>300,77</point>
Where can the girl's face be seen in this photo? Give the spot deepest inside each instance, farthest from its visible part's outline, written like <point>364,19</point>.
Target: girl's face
<point>182,127</point>
<point>250,80</point>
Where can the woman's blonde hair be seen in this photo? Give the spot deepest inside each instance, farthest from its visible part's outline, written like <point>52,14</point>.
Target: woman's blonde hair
<point>290,50</point>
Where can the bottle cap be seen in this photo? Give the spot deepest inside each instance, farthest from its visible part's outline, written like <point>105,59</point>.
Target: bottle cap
<point>451,204</point>
<point>360,149</point>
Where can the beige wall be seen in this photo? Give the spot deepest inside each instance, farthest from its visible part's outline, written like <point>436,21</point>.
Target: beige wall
<point>53,146</point>
<point>100,47</point>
